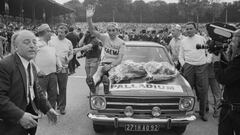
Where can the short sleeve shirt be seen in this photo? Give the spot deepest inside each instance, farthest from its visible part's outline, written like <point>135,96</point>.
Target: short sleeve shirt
<point>63,49</point>
<point>111,48</point>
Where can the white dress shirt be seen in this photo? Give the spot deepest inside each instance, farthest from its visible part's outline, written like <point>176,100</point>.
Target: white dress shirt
<point>29,88</point>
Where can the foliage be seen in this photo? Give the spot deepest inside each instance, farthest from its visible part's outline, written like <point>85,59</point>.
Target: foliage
<point>157,11</point>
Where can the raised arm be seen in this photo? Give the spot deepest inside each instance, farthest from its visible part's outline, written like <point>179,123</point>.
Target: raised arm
<point>89,14</point>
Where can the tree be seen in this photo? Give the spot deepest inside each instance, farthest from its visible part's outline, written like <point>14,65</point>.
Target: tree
<point>157,11</point>
<point>78,9</point>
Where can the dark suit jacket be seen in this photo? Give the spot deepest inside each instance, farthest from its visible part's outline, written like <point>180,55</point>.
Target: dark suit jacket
<point>13,92</point>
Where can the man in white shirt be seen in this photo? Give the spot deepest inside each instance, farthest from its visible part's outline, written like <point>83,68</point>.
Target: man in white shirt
<point>175,44</point>
<point>194,65</point>
<point>47,62</point>
<point>64,50</point>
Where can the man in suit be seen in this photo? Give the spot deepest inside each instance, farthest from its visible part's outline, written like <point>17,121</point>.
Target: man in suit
<point>20,94</point>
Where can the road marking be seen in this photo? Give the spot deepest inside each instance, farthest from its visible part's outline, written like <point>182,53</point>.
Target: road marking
<point>79,76</point>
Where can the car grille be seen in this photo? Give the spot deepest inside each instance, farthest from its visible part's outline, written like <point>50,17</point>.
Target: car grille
<point>143,104</point>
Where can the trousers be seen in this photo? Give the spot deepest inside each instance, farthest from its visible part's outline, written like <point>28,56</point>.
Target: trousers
<point>49,84</point>
<point>229,122</point>
<point>197,76</point>
<point>62,79</point>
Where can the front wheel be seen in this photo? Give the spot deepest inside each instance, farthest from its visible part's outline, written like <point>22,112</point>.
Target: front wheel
<point>179,130</point>
<point>98,128</point>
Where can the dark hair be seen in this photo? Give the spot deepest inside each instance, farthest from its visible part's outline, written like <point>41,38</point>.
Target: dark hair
<point>160,31</point>
<point>165,29</point>
<point>192,23</point>
<point>89,37</point>
<point>41,33</point>
<point>71,29</point>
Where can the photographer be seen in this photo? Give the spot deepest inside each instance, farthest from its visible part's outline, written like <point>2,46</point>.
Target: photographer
<point>228,74</point>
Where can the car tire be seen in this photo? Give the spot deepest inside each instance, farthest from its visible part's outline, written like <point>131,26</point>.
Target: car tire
<point>180,129</point>
<point>98,128</point>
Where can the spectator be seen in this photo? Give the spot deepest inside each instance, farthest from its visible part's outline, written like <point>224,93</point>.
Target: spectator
<point>2,40</point>
<point>175,44</point>
<point>47,61</point>
<point>92,47</point>
<point>64,50</point>
<point>165,37</point>
<point>194,64</point>
<point>20,94</point>
<point>72,36</point>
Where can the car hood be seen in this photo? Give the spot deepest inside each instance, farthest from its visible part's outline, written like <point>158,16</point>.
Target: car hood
<point>174,87</point>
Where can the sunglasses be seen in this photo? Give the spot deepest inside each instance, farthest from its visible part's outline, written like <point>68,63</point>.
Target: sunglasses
<point>111,30</point>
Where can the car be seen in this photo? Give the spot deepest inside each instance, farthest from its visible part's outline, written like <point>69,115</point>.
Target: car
<point>137,105</point>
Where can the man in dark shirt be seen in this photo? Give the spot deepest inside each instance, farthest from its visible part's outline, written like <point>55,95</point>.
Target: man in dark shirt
<point>228,74</point>
<point>90,45</point>
<point>74,39</point>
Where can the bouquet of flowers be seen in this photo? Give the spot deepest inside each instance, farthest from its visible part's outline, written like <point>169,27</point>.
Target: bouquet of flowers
<point>127,70</point>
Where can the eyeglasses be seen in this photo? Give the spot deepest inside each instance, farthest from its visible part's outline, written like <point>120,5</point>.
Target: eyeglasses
<point>111,30</point>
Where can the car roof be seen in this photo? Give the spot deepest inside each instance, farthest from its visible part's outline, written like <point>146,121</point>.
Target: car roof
<point>143,43</point>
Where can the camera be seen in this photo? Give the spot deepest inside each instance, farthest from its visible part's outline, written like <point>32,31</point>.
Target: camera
<point>214,46</point>
<point>220,34</point>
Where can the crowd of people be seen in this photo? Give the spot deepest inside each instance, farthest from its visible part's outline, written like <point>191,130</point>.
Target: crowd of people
<point>46,55</point>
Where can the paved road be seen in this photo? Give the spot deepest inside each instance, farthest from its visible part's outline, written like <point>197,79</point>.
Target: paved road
<point>75,122</point>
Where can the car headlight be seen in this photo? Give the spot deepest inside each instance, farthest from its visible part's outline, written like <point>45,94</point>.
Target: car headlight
<point>128,111</point>
<point>156,111</point>
<point>186,104</point>
<point>98,103</point>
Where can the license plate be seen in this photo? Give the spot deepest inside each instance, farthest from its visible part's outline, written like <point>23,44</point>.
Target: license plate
<point>142,127</point>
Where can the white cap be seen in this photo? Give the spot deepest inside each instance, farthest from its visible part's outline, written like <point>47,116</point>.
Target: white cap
<point>177,26</point>
<point>43,27</point>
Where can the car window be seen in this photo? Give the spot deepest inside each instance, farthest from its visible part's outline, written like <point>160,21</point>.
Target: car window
<point>145,54</point>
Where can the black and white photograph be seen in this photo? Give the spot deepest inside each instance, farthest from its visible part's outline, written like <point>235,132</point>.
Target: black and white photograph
<point>119,67</point>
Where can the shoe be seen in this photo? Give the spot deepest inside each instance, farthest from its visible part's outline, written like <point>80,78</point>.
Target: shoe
<point>91,84</point>
<point>105,81</point>
<point>62,111</point>
<point>216,114</point>
<point>204,118</point>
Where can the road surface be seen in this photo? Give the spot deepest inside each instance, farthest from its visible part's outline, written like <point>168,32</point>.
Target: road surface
<point>75,122</point>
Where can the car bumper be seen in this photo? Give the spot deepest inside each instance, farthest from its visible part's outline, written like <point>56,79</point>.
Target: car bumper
<point>118,122</point>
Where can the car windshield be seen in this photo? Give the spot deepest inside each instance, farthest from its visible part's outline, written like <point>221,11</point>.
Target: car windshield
<point>145,54</point>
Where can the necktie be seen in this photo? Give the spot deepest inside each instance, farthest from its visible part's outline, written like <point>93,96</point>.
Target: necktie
<point>29,75</point>
<point>30,88</point>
